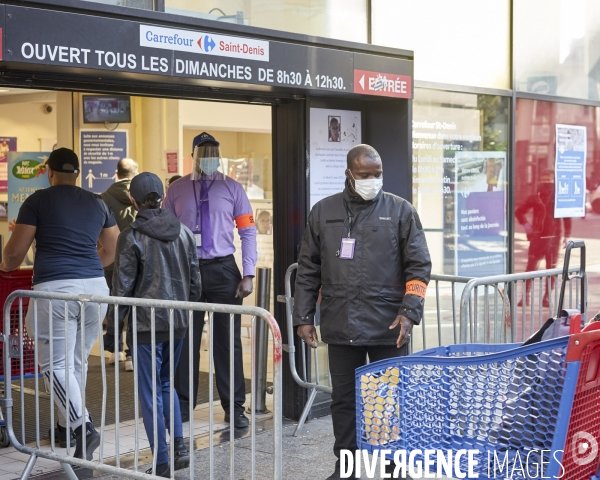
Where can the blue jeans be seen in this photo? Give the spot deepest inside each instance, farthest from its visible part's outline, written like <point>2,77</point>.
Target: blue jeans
<point>163,385</point>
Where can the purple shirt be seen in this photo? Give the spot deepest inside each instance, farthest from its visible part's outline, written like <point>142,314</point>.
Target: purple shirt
<point>227,201</point>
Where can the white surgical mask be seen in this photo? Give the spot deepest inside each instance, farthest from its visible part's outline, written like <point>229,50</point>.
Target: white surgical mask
<point>369,188</point>
<point>210,165</point>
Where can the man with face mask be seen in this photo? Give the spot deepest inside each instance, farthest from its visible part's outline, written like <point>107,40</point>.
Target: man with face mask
<point>366,250</point>
<point>211,205</point>
<point>544,232</point>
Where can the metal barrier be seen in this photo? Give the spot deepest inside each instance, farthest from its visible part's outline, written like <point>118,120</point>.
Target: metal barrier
<point>13,349</point>
<point>458,311</point>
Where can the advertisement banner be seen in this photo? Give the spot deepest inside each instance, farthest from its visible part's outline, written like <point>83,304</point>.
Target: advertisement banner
<point>480,190</point>
<point>100,152</point>
<point>27,173</point>
<point>332,134</point>
<point>7,144</point>
<point>570,188</point>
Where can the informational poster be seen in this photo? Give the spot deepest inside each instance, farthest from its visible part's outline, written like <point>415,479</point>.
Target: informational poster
<point>571,152</point>
<point>100,152</point>
<point>332,134</point>
<point>172,158</point>
<point>7,144</point>
<point>480,191</point>
<point>27,173</point>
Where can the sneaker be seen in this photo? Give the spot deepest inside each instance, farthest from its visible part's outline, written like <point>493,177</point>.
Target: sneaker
<point>182,456</point>
<point>60,436</point>
<point>163,470</point>
<point>92,441</point>
<point>113,357</point>
<point>129,364</point>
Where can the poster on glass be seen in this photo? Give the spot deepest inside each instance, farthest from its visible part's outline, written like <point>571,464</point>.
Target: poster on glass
<point>570,188</point>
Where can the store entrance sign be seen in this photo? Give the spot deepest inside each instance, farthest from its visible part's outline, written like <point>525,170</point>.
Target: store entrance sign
<point>100,152</point>
<point>139,48</point>
<point>570,188</point>
<point>382,84</point>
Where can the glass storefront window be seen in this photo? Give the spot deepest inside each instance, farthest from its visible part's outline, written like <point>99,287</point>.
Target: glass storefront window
<point>459,179</point>
<point>143,4</point>
<point>463,43</point>
<point>340,19</point>
<point>558,53</point>
<point>539,234</point>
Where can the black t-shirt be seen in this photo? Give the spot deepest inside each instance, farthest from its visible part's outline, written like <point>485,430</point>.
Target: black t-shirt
<point>68,220</point>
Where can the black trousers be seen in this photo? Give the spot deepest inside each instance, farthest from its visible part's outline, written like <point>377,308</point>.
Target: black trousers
<point>343,361</point>
<point>109,336</point>
<point>220,280</point>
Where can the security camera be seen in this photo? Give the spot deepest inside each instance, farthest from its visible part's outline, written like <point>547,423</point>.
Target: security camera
<point>48,108</point>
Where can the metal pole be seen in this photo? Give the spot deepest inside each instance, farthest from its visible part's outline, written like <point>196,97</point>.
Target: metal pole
<point>263,300</point>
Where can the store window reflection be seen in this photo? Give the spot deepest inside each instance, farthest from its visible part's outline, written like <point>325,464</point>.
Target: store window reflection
<point>460,180</point>
<point>340,19</point>
<point>540,233</point>
<point>558,54</point>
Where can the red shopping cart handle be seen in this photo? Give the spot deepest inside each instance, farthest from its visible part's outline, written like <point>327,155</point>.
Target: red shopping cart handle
<point>575,326</point>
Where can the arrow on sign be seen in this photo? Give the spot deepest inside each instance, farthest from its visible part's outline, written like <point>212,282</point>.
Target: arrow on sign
<point>362,82</point>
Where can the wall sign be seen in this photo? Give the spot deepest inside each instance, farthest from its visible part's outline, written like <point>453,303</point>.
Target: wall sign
<point>332,134</point>
<point>570,188</point>
<point>7,144</point>
<point>135,47</point>
<point>101,150</point>
<point>172,161</point>
<point>26,173</point>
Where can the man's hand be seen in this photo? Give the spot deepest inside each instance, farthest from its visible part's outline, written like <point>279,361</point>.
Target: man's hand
<point>528,228</point>
<point>244,288</point>
<point>308,333</point>
<point>406,326</point>
<point>565,242</point>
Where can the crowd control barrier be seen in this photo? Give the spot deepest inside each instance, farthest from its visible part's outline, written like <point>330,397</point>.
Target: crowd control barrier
<point>13,351</point>
<point>498,309</point>
<point>504,401</point>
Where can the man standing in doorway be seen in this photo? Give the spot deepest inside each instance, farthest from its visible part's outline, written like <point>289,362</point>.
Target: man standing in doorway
<point>366,251</point>
<point>118,200</point>
<point>211,204</point>
<point>66,223</point>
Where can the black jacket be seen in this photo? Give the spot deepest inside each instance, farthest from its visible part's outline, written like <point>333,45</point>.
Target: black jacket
<point>361,297</point>
<point>156,258</point>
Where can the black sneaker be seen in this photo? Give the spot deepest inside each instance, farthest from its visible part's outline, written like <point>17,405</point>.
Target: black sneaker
<point>240,420</point>
<point>182,456</point>
<point>92,441</point>
<point>60,436</point>
<point>163,470</point>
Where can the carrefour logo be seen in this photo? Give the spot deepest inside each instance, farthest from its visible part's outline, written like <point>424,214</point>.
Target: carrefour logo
<point>203,43</point>
<point>206,43</point>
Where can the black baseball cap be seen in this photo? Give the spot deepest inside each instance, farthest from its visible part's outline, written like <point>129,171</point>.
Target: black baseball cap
<point>143,184</point>
<point>63,160</point>
<point>203,138</point>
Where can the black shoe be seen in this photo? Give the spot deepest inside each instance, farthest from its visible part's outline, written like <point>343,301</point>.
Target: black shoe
<point>240,420</point>
<point>60,436</point>
<point>182,456</point>
<point>163,470</point>
<point>92,441</point>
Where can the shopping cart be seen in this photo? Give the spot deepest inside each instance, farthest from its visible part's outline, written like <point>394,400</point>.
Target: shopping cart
<point>540,400</point>
<point>9,282</point>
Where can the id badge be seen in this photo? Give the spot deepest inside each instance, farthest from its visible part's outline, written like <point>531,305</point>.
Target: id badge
<point>347,248</point>
<point>198,237</point>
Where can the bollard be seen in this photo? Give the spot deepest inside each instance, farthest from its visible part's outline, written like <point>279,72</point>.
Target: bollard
<point>263,300</point>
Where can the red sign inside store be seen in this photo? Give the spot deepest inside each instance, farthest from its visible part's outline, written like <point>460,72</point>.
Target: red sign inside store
<point>382,84</point>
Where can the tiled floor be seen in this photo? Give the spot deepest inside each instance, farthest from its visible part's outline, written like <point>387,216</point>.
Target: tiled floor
<point>13,462</point>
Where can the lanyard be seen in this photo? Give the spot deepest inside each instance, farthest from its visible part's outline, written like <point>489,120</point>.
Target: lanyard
<point>354,220</point>
<point>203,198</point>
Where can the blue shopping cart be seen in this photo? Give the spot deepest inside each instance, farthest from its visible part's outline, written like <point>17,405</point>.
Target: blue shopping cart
<point>502,399</point>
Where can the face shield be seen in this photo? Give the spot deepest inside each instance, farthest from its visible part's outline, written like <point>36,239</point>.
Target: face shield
<point>207,159</point>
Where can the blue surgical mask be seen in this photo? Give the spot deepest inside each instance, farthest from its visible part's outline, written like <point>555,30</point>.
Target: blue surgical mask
<point>210,165</point>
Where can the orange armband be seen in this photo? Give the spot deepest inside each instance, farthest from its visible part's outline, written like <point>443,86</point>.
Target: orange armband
<point>416,287</point>
<point>244,221</point>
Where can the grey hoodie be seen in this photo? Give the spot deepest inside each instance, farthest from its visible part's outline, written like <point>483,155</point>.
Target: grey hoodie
<point>117,199</point>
